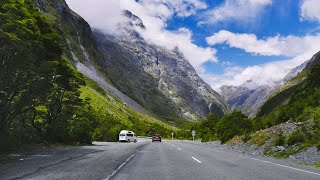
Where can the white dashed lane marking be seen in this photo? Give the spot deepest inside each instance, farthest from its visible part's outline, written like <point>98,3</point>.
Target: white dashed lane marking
<point>196,160</point>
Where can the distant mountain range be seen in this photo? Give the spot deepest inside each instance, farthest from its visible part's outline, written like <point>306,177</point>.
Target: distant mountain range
<point>249,97</point>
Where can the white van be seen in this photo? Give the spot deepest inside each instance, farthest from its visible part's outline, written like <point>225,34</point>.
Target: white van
<point>127,136</point>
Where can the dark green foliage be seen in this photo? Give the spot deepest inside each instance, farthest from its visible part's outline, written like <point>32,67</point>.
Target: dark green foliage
<point>318,146</point>
<point>275,101</point>
<point>214,128</point>
<point>246,137</point>
<point>280,140</point>
<point>302,102</point>
<point>210,122</point>
<point>296,137</point>
<point>39,95</point>
<point>235,123</point>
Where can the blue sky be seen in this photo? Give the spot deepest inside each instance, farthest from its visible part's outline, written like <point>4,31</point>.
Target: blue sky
<point>280,18</point>
<point>228,42</point>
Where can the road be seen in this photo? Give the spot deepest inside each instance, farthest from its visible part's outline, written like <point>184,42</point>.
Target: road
<point>147,160</point>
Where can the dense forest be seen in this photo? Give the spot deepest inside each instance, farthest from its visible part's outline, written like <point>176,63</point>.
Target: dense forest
<point>214,128</point>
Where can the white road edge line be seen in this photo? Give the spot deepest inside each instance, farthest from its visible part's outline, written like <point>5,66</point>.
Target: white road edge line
<point>196,160</point>
<point>289,167</point>
<point>179,149</point>
<point>124,163</point>
<point>286,166</point>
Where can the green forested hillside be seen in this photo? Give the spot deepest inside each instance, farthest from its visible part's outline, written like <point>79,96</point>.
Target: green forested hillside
<point>42,97</point>
<point>298,101</point>
<point>39,92</point>
<point>293,102</point>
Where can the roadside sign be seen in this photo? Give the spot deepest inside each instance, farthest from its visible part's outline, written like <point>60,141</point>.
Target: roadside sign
<point>193,134</point>
<point>172,135</point>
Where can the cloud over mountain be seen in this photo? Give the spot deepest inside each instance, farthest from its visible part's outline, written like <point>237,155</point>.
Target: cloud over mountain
<point>106,15</point>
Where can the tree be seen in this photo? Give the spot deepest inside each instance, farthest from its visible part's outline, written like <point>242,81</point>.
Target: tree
<point>235,123</point>
<point>37,87</point>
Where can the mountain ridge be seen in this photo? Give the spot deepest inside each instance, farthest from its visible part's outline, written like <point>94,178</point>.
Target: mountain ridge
<point>249,98</point>
<point>165,72</point>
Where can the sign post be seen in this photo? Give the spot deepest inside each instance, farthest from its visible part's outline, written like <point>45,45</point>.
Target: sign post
<point>172,135</point>
<point>193,134</point>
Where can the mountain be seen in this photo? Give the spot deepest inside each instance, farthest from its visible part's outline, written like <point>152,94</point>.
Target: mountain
<point>148,78</point>
<point>161,80</point>
<point>151,79</point>
<point>81,48</point>
<point>53,89</point>
<point>298,84</point>
<point>249,97</point>
<point>245,99</point>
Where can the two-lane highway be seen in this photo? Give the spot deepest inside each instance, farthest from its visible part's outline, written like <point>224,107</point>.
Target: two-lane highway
<point>147,160</point>
<point>177,160</point>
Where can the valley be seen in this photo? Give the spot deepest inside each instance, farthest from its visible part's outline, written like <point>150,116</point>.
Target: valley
<point>68,85</point>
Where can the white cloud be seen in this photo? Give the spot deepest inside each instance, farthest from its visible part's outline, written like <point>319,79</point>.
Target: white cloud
<point>290,46</point>
<point>299,49</point>
<point>106,15</point>
<point>310,10</point>
<point>101,14</point>
<point>258,75</point>
<point>236,10</point>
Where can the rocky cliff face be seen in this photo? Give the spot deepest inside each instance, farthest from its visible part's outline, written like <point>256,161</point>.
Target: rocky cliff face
<point>80,46</point>
<point>245,99</point>
<point>157,78</point>
<point>161,80</point>
<point>145,76</point>
<point>249,99</point>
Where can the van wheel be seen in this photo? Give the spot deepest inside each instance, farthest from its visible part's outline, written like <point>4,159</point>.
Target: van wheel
<point>128,140</point>
<point>135,141</point>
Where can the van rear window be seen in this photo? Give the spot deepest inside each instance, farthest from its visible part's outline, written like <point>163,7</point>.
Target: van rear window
<point>122,135</point>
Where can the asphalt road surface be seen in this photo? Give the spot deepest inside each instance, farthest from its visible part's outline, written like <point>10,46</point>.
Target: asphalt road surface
<point>147,160</point>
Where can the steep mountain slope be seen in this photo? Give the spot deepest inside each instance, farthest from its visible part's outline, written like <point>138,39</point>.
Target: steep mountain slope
<point>245,99</point>
<point>249,99</point>
<point>298,84</point>
<point>161,80</point>
<point>80,46</point>
<point>81,51</point>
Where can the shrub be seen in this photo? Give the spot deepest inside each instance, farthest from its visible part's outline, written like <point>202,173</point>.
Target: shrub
<point>296,137</point>
<point>280,140</point>
<point>318,146</point>
<point>246,137</point>
<point>259,138</point>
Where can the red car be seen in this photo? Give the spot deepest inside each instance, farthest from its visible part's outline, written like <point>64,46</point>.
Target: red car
<point>156,137</point>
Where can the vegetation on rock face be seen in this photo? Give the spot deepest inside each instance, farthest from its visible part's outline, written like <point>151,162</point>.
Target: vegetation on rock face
<point>42,97</point>
<point>38,92</point>
<point>302,105</point>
